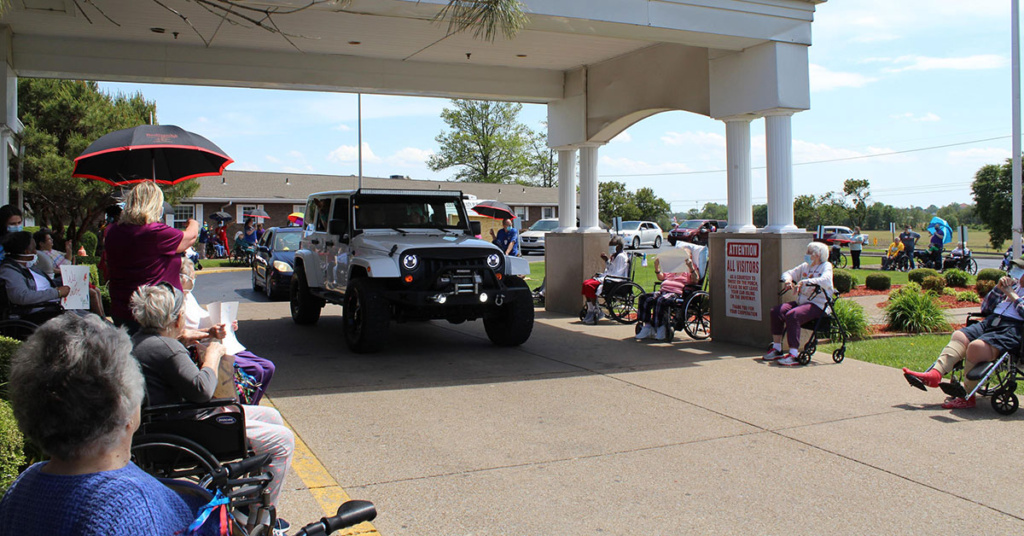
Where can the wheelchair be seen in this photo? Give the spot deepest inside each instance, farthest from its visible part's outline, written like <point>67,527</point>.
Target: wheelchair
<point>827,326</point>
<point>996,379</point>
<point>691,311</point>
<point>619,295</point>
<point>204,446</point>
<point>964,262</point>
<point>243,253</point>
<point>13,324</point>
<point>901,263</point>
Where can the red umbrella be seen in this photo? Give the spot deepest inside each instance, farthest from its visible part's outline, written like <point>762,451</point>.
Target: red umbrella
<point>165,154</point>
<point>494,209</point>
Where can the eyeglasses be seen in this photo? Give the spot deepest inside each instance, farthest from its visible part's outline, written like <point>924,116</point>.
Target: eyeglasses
<point>179,297</point>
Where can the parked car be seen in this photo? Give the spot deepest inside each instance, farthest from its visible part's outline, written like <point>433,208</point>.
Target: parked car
<point>841,232</point>
<point>694,231</point>
<point>533,238</point>
<point>640,233</point>
<point>274,261</point>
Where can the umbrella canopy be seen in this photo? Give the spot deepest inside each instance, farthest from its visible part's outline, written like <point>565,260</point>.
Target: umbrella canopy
<point>940,224</point>
<point>221,216</point>
<point>165,154</point>
<point>494,209</point>
<point>257,213</point>
<point>296,217</point>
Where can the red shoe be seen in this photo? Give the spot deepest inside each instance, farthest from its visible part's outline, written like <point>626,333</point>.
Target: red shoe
<point>922,379</point>
<point>959,403</point>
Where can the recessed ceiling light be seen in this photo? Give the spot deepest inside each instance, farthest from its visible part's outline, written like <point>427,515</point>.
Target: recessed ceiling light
<point>355,42</point>
<point>520,55</point>
<point>157,30</point>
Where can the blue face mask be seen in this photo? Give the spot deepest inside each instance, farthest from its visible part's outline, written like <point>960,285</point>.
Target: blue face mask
<point>807,259</point>
<point>1015,273</point>
<point>14,228</point>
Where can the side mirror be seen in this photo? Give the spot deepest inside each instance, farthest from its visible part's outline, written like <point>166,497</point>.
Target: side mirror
<point>344,238</point>
<point>475,227</point>
<point>337,227</point>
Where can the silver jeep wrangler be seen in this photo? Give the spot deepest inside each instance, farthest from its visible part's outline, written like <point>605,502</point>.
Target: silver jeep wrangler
<point>403,255</point>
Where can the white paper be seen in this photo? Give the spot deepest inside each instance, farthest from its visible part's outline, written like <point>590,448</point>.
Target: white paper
<point>76,277</point>
<point>226,313</point>
<point>674,260</point>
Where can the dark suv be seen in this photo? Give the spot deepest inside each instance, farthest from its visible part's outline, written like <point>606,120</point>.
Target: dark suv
<point>694,231</point>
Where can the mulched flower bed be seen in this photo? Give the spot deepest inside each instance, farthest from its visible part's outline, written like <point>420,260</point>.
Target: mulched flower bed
<point>946,302</point>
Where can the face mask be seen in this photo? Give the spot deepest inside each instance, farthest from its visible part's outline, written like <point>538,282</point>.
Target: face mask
<point>808,260</point>
<point>14,228</point>
<point>1015,273</point>
<point>29,263</point>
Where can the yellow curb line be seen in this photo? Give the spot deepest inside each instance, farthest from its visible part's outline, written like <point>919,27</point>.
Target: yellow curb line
<point>328,494</point>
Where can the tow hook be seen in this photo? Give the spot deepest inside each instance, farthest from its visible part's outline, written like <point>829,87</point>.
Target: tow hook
<point>499,300</point>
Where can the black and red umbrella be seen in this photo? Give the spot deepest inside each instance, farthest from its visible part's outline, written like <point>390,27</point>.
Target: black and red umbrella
<point>257,213</point>
<point>165,154</point>
<point>494,209</point>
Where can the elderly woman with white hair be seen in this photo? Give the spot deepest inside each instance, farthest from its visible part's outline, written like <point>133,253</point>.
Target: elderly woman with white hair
<point>141,250</point>
<point>787,318</point>
<point>173,377</point>
<point>77,392</point>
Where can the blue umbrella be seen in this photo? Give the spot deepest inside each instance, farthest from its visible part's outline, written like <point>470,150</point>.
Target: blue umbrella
<point>940,224</point>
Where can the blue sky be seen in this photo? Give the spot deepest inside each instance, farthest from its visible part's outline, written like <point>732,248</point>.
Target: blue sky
<point>927,79</point>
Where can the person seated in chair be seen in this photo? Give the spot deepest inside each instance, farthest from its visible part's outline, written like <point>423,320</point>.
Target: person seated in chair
<point>787,318</point>
<point>652,305</point>
<point>615,266</point>
<point>889,262</point>
<point>30,294</point>
<point>980,342</point>
<point>956,256</point>
<point>76,392</point>
<point>172,376</point>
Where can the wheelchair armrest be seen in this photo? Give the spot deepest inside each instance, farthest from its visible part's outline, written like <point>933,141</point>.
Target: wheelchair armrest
<point>974,318</point>
<point>167,409</point>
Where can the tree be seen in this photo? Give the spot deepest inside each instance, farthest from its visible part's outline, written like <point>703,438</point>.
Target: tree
<point>651,207</point>
<point>486,142</point>
<point>613,200</point>
<point>993,200</point>
<point>543,161</point>
<point>857,191</point>
<point>760,214</point>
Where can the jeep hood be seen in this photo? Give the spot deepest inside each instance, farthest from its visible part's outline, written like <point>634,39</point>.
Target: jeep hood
<point>383,242</point>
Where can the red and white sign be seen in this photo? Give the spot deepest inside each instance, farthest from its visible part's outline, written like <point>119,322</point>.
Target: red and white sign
<point>743,279</point>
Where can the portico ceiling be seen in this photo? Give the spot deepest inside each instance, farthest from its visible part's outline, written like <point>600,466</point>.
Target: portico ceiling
<point>385,46</point>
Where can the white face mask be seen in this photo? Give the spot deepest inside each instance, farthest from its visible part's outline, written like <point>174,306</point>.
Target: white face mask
<point>29,263</point>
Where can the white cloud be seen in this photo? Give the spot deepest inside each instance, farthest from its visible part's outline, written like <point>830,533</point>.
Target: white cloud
<point>874,38</point>
<point>990,155</point>
<point>296,154</point>
<point>343,127</point>
<point>614,166</point>
<point>245,166</point>
<point>622,137</point>
<point>965,63</point>
<point>350,153</point>
<point>823,79</point>
<point>273,159</point>
<point>410,156</point>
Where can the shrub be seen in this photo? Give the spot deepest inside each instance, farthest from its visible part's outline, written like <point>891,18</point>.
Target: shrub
<point>933,283</point>
<point>983,286</point>
<point>909,288</point>
<point>917,275</point>
<point>990,274</point>
<point>956,278</point>
<point>915,313</point>
<point>843,281</point>
<point>12,451</point>
<point>89,242</point>
<point>968,295</point>
<point>878,282</point>
<point>7,348</point>
<point>853,318</point>
<point>949,291</point>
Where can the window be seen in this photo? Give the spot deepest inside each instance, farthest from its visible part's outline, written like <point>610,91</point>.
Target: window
<point>317,213</point>
<point>547,213</point>
<point>523,213</point>
<point>298,208</point>
<point>182,213</point>
<point>242,210</point>
<point>341,211</point>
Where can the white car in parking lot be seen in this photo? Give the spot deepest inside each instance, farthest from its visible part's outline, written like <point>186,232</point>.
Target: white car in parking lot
<point>640,233</point>
<point>533,238</point>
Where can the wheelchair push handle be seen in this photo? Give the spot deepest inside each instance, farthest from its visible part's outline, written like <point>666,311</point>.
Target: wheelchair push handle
<point>246,466</point>
<point>350,513</point>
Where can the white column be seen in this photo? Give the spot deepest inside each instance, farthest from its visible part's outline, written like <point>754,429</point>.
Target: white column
<point>737,156</point>
<point>588,190</point>
<point>10,126</point>
<point>566,190</point>
<point>779,134</point>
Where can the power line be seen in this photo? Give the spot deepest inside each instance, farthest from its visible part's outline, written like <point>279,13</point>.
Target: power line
<point>859,157</point>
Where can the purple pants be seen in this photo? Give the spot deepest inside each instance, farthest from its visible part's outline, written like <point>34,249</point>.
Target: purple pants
<point>788,317</point>
<point>259,368</point>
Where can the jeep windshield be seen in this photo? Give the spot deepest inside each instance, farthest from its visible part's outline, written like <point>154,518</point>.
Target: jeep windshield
<point>409,212</point>
<point>544,225</point>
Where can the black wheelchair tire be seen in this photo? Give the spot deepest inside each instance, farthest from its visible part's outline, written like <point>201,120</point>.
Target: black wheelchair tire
<point>1005,402</point>
<point>622,302</point>
<point>697,315</point>
<point>838,355</point>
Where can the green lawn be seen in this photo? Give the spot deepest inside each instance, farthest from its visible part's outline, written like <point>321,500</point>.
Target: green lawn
<point>916,352</point>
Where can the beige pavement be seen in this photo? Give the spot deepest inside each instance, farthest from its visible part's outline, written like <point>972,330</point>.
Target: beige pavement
<point>583,431</point>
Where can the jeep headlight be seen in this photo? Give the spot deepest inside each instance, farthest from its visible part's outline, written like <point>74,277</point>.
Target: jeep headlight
<point>493,261</point>
<point>282,266</point>
<point>410,262</point>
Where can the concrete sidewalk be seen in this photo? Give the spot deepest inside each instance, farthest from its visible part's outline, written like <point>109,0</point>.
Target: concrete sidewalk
<point>582,430</point>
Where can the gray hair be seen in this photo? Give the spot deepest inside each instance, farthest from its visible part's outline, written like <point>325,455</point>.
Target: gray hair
<point>819,249</point>
<point>74,385</point>
<point>157,307</point>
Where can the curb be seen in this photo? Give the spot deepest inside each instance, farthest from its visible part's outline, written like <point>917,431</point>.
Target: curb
<point>222,270</point>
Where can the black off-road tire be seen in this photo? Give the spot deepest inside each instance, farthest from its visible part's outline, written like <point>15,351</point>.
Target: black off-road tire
<point>512,323</point>
<point>366,316</point>
<point>305,307</point>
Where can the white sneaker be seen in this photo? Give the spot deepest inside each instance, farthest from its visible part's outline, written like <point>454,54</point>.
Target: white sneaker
<point>661,334</point>
<point>773,355</point>
<point>589,319</point>
<point>788,361</point>
<point>645,332</point>
<point>599,315</point>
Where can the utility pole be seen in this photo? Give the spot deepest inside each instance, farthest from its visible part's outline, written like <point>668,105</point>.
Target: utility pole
<point>359,104</point>
<point>1015,60</point>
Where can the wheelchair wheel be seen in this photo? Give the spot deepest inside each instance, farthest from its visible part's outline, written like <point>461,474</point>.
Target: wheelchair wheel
<point>583,313</point>
<point>174,457</point>
<point>622,302</point>
<point>1005,402</point>
<point>843,260</point>
<point>697,315</point>
<point>972,266</point>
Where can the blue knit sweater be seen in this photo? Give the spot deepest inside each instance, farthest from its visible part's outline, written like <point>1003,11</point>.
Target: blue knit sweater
<point>125,501</point>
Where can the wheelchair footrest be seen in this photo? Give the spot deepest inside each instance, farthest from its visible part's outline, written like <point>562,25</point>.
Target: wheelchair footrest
<point>953,388</point>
